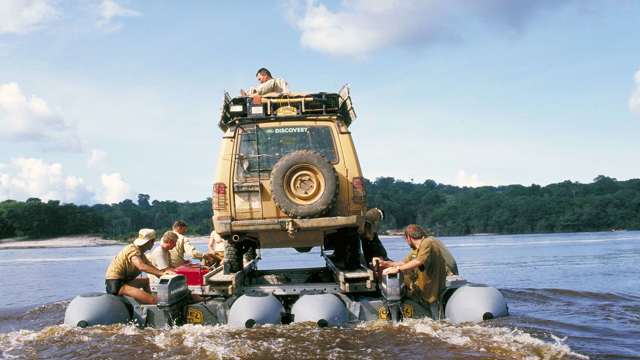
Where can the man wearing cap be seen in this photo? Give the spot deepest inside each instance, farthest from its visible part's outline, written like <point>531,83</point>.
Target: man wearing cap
<point>425,267</point>
<point>372,247</point>
<point>267,85</point>
<point>121,277</point>
<point>183,247</point>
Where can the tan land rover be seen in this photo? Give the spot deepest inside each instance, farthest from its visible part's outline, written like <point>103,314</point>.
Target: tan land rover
<point>288,176</point>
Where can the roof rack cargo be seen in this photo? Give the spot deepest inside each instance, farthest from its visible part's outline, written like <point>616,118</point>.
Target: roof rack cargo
<point>244,109</point>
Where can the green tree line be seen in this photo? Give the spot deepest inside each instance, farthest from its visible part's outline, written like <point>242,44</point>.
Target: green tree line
<point>36,219</point>
<point>604,204</point>
<point>568,206</point>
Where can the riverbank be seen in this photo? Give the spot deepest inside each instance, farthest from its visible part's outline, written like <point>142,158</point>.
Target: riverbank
<point>72,242</point>
<point>60,242</point>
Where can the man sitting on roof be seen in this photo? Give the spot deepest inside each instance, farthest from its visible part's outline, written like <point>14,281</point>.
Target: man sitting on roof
<point>267,85</point>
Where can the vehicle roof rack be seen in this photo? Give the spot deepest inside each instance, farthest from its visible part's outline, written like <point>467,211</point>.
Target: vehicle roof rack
<point>247,109</point>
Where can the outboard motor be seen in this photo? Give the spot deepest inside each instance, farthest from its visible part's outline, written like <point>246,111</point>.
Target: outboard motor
<point>322,309</point>
<point>171,290</point>
<point>96,309</point>
<point>249,310</point>
<point>473,303</point>
<point>173,296</point>
<point>391,288</point>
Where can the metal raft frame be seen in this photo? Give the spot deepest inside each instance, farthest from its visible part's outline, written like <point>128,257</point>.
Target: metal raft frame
<point>217,283</point>
<point>287,107</point>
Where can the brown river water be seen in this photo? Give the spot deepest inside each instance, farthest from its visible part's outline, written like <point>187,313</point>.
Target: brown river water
<point>571,296</point>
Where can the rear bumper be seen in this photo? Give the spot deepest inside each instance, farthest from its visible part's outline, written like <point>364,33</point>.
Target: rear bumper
<point>227,227</point>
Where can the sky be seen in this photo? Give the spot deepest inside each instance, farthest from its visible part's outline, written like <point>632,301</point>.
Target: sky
<point>103,99</point>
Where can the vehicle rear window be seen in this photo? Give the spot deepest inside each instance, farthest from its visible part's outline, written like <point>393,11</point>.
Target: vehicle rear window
<point>261,148</point>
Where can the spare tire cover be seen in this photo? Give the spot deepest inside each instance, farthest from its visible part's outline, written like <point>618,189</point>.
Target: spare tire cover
<point>303,184</point>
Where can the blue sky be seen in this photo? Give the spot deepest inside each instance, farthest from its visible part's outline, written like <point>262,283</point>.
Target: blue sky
<point>104,99</point>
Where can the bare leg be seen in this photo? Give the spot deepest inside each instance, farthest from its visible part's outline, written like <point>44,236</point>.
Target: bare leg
<point>132,289</point>
<point>140,283</point>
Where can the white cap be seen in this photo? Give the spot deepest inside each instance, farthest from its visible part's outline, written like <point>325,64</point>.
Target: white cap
<point>144,236</point>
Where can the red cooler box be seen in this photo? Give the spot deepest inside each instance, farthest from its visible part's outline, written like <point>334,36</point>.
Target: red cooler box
<point>193,272</point>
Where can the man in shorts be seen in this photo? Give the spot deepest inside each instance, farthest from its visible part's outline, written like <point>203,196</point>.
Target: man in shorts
<point>122,274</point>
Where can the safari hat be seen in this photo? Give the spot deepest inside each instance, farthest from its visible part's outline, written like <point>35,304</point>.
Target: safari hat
<point>372,220</point>
<point>144,236</point>
<point>374,215</point>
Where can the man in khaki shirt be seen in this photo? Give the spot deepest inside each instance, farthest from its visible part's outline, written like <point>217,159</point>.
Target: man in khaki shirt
<point>267,85</point>
<point>425,267</point>
<point>121,277</point>
<point>184,247</point>
<point>216,248</point>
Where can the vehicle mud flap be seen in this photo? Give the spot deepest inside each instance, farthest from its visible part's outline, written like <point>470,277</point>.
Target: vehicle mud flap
<point>354,257</point>
<point>346,245</point>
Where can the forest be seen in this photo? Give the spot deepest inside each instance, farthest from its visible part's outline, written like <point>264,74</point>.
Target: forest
<point>605,204</point>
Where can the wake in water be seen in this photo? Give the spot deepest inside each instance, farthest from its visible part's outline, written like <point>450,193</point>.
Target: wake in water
<point>511,343</point>
<point>413,339</point>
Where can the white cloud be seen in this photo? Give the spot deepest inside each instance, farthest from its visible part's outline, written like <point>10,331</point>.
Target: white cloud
<point>97,159</point>
<point>634,100</point>
<point>359,27</point>
<point>25,178</point>
<point>109,10</point>
<point>23,16</point>
<point>115,188</point>
<point>28,177</point>
<point>31,119</point>
<point>464,179</point>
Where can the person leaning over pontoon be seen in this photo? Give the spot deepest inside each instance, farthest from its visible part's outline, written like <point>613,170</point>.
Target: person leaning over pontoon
<point>121,277</point>
<point>160,256</point>
<point>183,247</point>
<point>372,247</point>
<point>267,85</point>
<point>425,267</point>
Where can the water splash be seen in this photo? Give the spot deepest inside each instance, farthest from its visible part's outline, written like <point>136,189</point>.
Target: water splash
<point>514,343</point>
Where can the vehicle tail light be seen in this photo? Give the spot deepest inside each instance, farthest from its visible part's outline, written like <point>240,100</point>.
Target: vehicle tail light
<point>219,196</point>
<point>359,192</point>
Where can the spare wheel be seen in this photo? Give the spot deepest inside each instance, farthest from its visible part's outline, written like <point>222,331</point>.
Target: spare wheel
<point>303,184</point>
